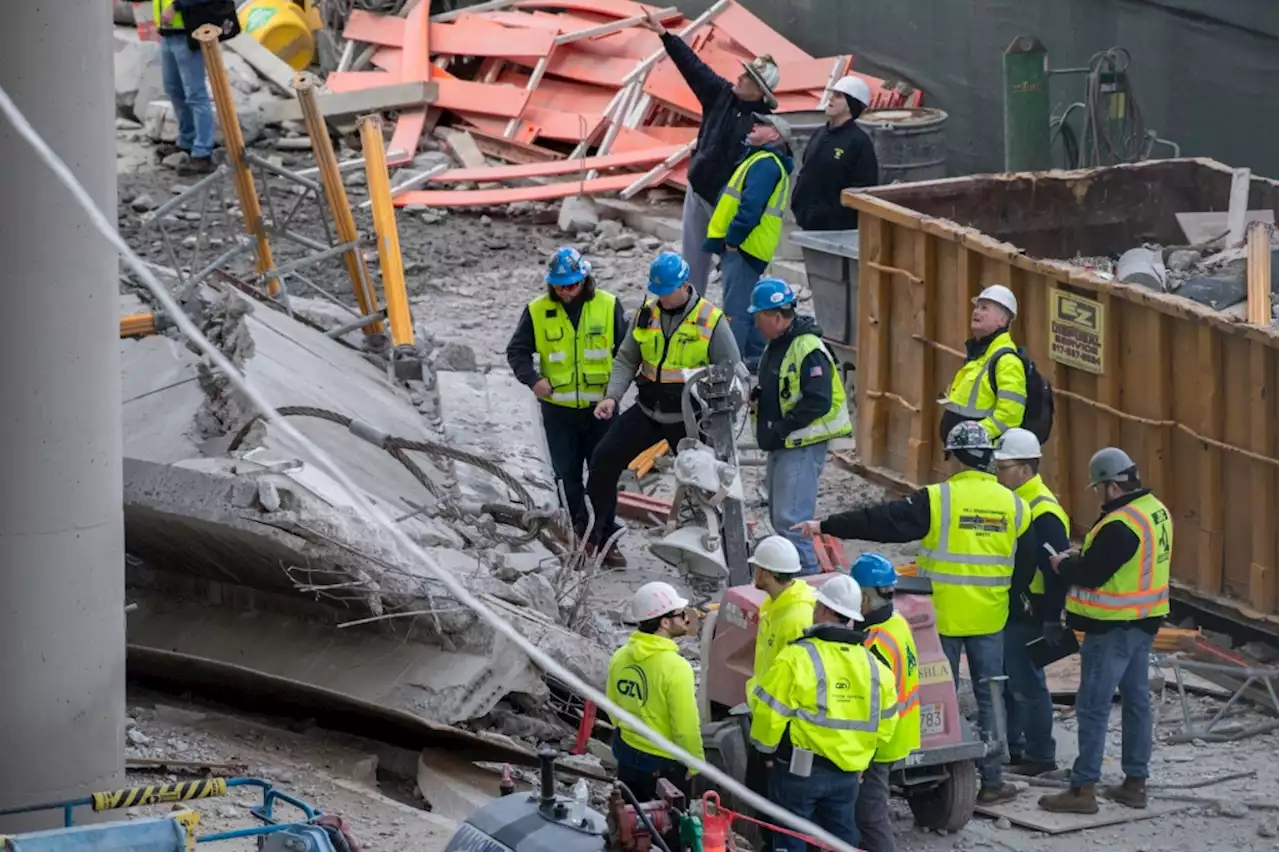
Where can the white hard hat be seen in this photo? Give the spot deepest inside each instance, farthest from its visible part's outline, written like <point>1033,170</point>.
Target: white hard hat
<point>765,72</point>
<point>855,87</point>
<point>1017,444</point>
<point>1001,295</point>
<point>843,595</point>
<point>654,599</point>
<point>777,554</point>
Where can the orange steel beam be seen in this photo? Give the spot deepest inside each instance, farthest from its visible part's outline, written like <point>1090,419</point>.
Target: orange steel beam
<point>405,356</point>
<point>335,193</point>
<point>251,209</point>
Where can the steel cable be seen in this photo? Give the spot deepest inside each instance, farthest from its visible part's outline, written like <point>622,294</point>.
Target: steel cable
<point>371,512</point>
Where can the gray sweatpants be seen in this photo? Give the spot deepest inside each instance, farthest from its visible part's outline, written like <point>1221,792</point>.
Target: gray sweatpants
<point>875,830</point>
<point>693,232</point>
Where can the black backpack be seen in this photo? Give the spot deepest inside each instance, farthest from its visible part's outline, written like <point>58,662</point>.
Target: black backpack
<point>1038,419</point>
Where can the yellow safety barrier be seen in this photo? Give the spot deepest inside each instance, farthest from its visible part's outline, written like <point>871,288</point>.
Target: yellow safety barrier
<point>155,794</point>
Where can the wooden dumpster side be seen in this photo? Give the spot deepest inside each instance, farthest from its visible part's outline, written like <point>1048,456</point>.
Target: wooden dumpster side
<point>1189,394</point>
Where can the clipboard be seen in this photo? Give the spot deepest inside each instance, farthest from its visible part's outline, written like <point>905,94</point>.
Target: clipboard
<point>1042,652</point>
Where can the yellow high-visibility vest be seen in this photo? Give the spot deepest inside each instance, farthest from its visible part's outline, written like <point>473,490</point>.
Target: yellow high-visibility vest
<point>893,639</point>
<point>1042,501</point>
<point>782,621</point>
<point>158,6</point>
<point>832,698</point>
<point>974,524</point>
<point>835,423</point>
<point>672,361</point>
<point>972,397</point>
<point>649,679</point>
<point>1140,589</point>
<point>575,361</point>
<point>763,240</point>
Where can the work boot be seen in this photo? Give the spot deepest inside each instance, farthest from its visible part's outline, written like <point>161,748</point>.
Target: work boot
<point>1076,800</point>
<point>997,795</point>
<point>1032,768</point>
<point>196,166</point>
<point>168,149</point>
<point>612,559</point>
<point>1014,758</point>
<point>1132,793</point>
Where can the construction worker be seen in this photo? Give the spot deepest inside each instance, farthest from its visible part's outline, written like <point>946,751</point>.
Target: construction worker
<point>1029,706</point>
<point>889,635</point>
<point>673,334</point>
<point>746,226</point>
<point>800,408</point>
<point>978,547</point>
<point>1118,594</point>
<point>182,70</point>
<point>839,155</point>
<point>1000,405</point>
<point>727,118</point>
<point>822,710</point>
<point>572,329</point>
<point>651,680</point>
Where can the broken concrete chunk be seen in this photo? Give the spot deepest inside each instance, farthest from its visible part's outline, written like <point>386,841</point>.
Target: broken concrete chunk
<point>456,357</point>
<point>1180,260</point>
<point>1142,266</point>
<point>541,595</point>
<point>609,228</point>
<point>578,215</point>
<point>621,242</point>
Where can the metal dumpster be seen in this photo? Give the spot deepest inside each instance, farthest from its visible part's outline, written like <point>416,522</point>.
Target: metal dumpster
<point>831,264</point>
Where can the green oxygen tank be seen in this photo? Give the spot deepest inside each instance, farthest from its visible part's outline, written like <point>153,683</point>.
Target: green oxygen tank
<point>691,832</point>
<point>1026,106</point>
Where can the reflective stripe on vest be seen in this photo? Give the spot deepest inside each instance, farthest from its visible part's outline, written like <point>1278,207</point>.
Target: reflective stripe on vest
<point>575,360</point>
<point>822,717</point>
<point>674,360</point>
<point>908,696</point>
<point>835,423</point>
<point>1140,589</point>
<point>968,553</point>
<point>972,383</point>
<point>1042,501</point>
<point>893,637</point>
<point>763,240</point>
<point>158,6</point>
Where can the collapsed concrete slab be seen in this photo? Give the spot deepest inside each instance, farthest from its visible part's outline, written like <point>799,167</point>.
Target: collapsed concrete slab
<point>256,556</point>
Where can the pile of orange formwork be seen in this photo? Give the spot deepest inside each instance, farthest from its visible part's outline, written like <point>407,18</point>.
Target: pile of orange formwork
<point>576,95</point>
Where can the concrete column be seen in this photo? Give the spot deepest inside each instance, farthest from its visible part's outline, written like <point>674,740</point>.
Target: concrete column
<point>62,656</point>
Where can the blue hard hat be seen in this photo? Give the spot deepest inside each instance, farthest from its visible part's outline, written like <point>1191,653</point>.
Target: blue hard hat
<point>567,267</point>
<point>873,571</point>
<point>667,273</point>
<point>770,294</point>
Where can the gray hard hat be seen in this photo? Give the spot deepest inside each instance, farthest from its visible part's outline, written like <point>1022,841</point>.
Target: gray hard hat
<point>967,435</point>
<point>1111,464</point>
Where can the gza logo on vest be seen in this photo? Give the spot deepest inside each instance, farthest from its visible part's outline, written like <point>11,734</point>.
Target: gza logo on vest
<point>912,663</point>
<point>839,152</point>
<point>634,683</point>
<point>983,522</point>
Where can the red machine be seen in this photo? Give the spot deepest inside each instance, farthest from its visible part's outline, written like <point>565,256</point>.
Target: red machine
<point>939,780</point>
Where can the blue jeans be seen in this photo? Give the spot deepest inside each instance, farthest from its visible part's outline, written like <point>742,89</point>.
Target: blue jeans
<point>694,219</point>
<point>1117,658</point>
<point>827,798</point>
<point>183,72</point>
<point>986,660</point>
<point>572,436</point>
<point>1028,704</point>
<point>875,826</point>
<point>739,279</point>
<point>791,481</point>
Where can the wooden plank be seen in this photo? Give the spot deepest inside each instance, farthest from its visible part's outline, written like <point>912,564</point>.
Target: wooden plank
<point>512,195</point>
<point>610,8</point>
<point>1158,391</point>
<point>272,68</point>
<point>357,102</point>
<point>1258,273</point>
<point>755,36</point>
<point>873,343</point>
<point>925,307</point>
<point>1209,540</point>
<point>1263,586</point>
<point>1108,426</point>
<point>555,167</point>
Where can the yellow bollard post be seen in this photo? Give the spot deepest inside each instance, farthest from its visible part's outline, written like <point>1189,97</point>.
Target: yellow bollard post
<point>335,193</point>
<point>404,355</point>
<point>250,207</point>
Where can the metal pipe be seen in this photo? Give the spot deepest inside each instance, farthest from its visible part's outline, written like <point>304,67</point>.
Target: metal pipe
<point>335,193</point>
<point>281,172</point>
<point>138,325</point>
<point>405,361</point>
<point>360,322</point>
<point>62,621</point>
<point>325,254</point>
<point>995,685</point>
<point>180,199</point>
<point>344,166</point>
<point>412,182</point>
<point>233,139</point>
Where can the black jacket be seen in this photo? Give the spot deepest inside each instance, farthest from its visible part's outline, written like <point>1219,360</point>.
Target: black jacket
<point>1114,545</point>
<point>834,160</point>
<point>1047,607</point>
<point>901,521</point>
<point>522,349</point>
<point>726,121</point>
<point>815,387</point>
